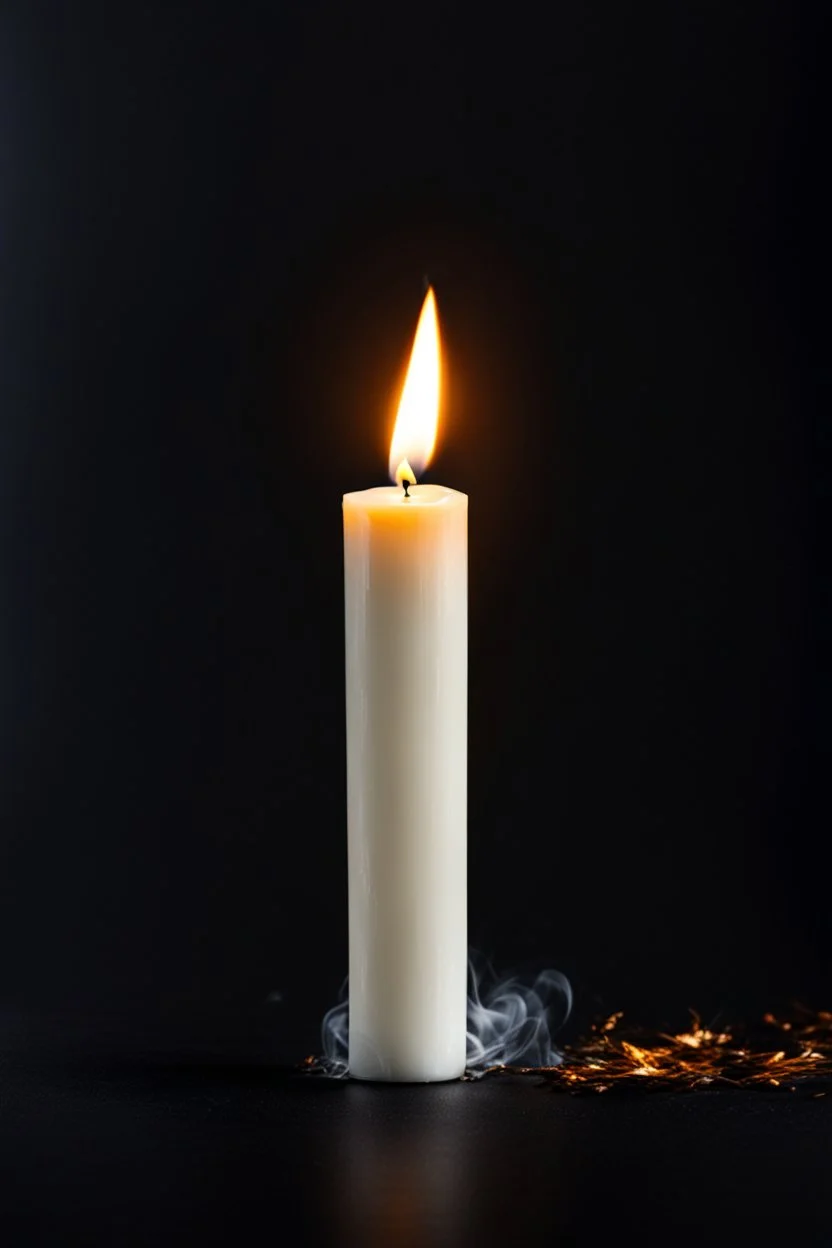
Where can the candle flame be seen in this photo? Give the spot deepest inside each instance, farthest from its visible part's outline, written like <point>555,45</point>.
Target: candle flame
<point>414,436</point>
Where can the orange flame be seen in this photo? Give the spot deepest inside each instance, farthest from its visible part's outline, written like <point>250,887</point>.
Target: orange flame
<point>414,436</point>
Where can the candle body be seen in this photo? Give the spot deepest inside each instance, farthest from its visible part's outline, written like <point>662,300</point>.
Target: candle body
<point>406,598</point>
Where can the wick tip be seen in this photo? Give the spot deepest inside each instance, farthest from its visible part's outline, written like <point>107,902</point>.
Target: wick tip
<point>406,488</point>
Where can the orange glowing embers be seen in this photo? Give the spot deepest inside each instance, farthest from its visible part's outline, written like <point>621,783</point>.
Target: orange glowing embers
<point>782,1053</point>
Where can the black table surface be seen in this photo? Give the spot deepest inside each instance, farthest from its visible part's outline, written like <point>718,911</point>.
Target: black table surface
<point>158,1147</point>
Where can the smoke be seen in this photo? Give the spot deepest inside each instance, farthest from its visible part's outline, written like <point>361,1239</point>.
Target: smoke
<point>335,1034</point>
<point>512,1021</point>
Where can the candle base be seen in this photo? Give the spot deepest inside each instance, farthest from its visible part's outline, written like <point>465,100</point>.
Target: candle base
<point>407,1077</point>
<point>370,1066</point>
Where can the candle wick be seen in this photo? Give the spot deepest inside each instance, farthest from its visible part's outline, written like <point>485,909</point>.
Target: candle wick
<point>406,486</point>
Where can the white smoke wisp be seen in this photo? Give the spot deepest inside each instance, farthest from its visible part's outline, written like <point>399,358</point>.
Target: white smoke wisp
<point>335,1034</point>
<point>512,1021</point>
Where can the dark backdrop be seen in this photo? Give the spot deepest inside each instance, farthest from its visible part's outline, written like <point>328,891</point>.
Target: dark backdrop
<point>216,223</point>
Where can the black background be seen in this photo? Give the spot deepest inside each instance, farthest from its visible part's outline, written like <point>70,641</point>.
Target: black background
<point>217,220</point>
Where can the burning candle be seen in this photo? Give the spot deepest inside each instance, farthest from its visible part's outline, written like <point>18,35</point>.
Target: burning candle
<point>406,597</point>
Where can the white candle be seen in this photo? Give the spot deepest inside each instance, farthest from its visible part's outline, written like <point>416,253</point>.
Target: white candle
<point>406,594</point>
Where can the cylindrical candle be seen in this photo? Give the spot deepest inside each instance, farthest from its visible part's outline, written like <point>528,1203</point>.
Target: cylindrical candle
<point>406,593</point>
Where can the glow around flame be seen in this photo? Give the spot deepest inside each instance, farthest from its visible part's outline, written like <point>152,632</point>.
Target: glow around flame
<point>414,436</point>
<point>510,1022</point>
